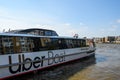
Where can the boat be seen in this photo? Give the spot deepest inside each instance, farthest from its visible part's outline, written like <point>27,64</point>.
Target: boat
<point>23,51</point>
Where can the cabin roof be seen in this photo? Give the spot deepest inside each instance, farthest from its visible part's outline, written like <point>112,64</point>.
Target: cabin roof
<point>30,35</point>
<point>31,29</point>
<point>45,32</point>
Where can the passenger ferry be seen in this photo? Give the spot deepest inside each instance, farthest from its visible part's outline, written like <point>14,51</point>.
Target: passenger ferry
<point>23,51</point>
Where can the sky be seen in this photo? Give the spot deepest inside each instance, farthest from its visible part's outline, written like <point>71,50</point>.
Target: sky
<point>87,18</point>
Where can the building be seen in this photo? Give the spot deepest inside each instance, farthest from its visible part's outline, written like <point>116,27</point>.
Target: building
<point>117,39</point>
<point>111,39</point>
<point>108,39</point>
<point>98,40</point>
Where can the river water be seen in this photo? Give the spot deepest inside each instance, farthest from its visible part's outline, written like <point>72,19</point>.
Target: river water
<point>105,65</point>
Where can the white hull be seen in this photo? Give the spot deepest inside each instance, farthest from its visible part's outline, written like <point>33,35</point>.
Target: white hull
<point>14,64</point>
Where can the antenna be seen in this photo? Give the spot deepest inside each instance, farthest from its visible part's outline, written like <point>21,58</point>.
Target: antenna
<point>75,36</point>
<point>3,30</point>
<point>9,30</point>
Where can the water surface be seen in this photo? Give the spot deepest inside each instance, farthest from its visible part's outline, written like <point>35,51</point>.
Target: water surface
<point>107,66</point>
<point>104,66</point>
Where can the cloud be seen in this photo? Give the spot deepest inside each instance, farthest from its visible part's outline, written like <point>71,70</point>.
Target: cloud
<point>114,26</point>
<point>45,26</point>
<point>112,29</point>
<point>118,21</point>
<point>81,24</point>
<point>67,24</point>
<point>109,31</point>
<point>24,20</point>
<point>35,20</point>
<point>67,30</point>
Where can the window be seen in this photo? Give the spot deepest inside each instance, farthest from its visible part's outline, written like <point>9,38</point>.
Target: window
<point>41,33</point>
<point>83,43</point>
<point>54,34</point>
<point>6,43</point>
<point>48,33</point>
<point>10,45</point>
<point>69,43</point>
<point>54,43</point>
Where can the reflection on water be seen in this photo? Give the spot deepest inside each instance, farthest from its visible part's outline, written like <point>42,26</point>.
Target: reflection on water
<point>100,58</point>
<point>104,66</point>
<point>107,65</point>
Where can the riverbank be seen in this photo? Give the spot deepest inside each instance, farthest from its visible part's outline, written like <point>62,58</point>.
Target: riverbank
<point>107,43</point>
